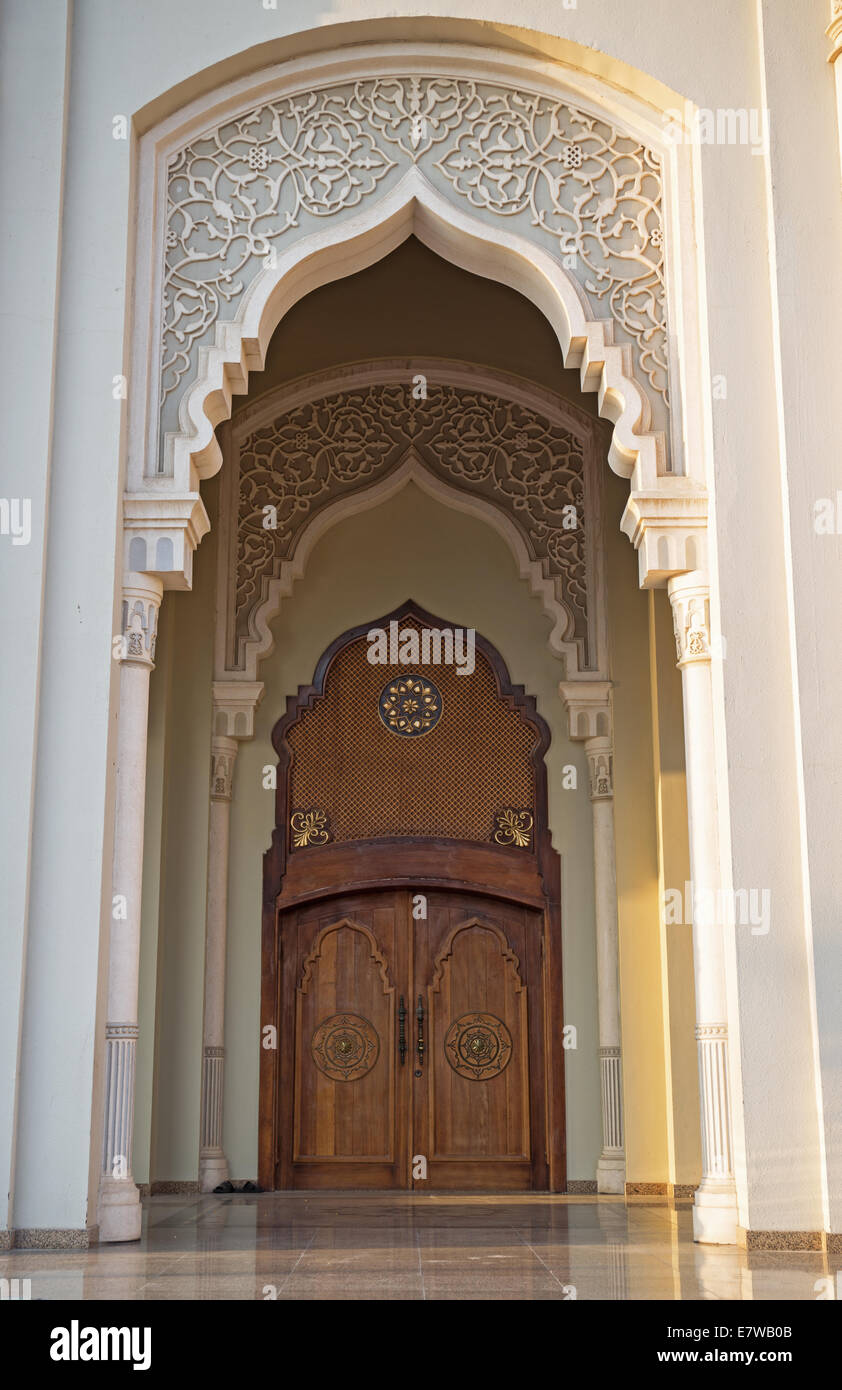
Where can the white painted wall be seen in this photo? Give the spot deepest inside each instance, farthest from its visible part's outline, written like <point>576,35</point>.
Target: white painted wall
<point>28,59</point>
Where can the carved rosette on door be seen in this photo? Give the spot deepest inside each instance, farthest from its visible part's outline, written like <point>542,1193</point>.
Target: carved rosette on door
<point>478,1046</point>
<point>345,1047</point>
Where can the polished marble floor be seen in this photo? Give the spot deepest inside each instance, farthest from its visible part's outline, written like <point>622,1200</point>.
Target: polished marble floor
<point>294,1246</point>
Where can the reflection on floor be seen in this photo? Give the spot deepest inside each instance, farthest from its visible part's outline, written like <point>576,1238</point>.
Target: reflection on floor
<point>416,1246</point>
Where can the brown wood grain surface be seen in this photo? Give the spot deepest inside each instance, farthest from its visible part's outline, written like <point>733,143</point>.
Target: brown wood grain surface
<point>340,947</point>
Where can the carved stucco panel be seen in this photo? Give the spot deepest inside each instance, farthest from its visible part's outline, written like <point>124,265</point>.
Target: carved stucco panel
<point>567,179</point>
<point>498,449</point>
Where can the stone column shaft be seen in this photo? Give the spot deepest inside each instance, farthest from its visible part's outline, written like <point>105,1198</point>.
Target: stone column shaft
<point>715,1211</point>
<point>213,1165</point>
<point>589,713</point>
<point>611,1168</point>
<point>119,1201</point>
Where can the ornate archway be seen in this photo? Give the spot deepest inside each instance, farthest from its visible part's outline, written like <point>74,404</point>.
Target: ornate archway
<point>571,197</point>
<point>568,196</point>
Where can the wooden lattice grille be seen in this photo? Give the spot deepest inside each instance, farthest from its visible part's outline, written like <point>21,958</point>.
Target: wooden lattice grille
<point>372,783</point>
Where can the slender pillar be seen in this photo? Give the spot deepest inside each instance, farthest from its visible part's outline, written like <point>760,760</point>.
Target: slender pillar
<point>589,712</point>
<point>119,1212</point>
<point>715,1210</point>
<point>234,705</point>
<point>611,1168</point>
<point>213,1165</point>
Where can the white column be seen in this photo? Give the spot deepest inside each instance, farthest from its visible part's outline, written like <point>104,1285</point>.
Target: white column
<point>715,1211</point>
<point>213,1165</point>
<point>589,713</point>
<point>611,1168</point>
<point>235,702</point>
<point>119,1212</point>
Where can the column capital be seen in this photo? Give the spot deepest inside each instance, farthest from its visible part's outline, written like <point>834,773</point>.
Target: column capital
<point>690,598</point>
<point>223,756</point>
<point>161,531</point>
<point>588,705</point>
<point>142,594</point>
<point>668,529</point>
<point>234,706</point>
<point>600,757</point>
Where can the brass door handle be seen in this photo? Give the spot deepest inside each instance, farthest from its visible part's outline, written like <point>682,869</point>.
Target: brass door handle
<point>419,1046</point>
<point>402,1030</point>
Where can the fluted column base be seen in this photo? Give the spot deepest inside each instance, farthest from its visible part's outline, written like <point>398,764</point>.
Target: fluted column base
<point>611,1172</point>
<point>715,1205</point>
<point>213,1165</point>
<point>611,1168</point>
<point>119,1212</point>
<point>213,1169</point>
<point>715,1213</point>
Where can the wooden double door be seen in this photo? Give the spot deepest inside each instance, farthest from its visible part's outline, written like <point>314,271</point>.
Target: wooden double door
<point>413,1043</point>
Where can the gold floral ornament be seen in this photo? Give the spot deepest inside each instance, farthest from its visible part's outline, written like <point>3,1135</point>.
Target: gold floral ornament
<point>410,706</point>
<point>513,827</point>
<point>309,828</point>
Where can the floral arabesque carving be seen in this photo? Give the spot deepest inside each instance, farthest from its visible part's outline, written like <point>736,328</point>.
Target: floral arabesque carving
<point>600,774</point>
<point>691,625</point>
<point>234,195</point>
<point>494,448</point>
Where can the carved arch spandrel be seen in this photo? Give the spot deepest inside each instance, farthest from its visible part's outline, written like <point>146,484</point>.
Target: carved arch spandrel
<point>241,191</point>
<point>522,459</point>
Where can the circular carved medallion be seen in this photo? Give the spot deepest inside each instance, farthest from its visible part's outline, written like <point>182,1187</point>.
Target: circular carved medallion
<point>478,1046</point>
<point>345,1047</point>
<point>410,706</point>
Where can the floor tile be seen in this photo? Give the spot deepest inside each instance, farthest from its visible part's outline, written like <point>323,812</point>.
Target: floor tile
<point>410,1246</point>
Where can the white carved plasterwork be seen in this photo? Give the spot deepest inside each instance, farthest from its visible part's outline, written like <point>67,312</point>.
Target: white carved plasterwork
<point>234,706</point>
<point>691,624</point>
<point>600,772</point>
<point>569,179</point>
<point>139,626</point>
<point>223,758</point>
<point>499,449</point>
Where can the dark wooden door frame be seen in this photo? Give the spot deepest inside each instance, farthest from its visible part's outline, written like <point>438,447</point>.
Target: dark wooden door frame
<point>530,876</point>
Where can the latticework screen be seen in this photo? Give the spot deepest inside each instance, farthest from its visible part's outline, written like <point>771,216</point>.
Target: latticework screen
<point>449,782</point>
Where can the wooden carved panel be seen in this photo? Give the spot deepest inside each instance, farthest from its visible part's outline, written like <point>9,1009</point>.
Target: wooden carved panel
<point>479,1080</point>
<point>344,1082</point>
<point>469,753</point>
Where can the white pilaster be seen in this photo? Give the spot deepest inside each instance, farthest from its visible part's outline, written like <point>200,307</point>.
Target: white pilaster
<point>119,1212</point>
<point>213,1165</point>
<point>233,718</point>
<point>715,1211</point>
<point>589,713</point>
